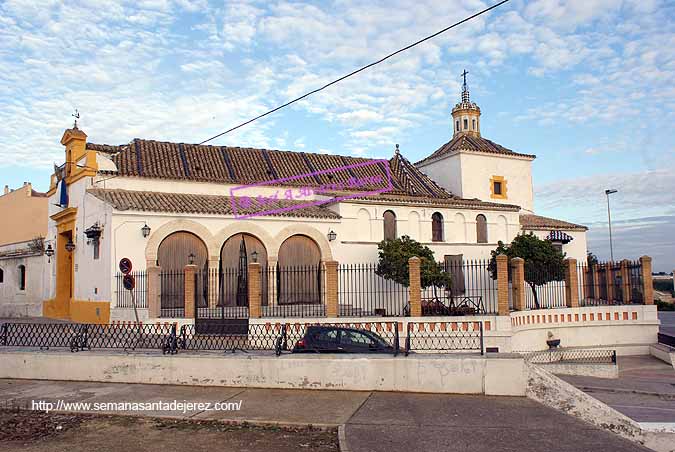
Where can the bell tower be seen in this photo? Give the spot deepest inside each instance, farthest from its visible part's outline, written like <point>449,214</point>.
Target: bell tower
<point>466,114</point>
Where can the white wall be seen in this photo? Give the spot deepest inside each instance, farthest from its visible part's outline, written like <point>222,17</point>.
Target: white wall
<point>91,275</point>
<point>467,174</point>
<point>576,249</point>
<point>22,303</point>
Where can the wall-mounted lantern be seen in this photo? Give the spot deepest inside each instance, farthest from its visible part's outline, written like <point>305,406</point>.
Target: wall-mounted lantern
<point>331,235</point>
<point>145,230</point>
<point>49,251</point>
<point>254,256</point>
<point>70,246</point>
<point>191,259</point>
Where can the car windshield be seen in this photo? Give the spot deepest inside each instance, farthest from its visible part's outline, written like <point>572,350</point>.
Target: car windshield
<point>359,338</point>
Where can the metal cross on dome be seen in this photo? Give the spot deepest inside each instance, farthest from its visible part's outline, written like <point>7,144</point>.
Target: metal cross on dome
<point>75,115</point>
<point>464,75</point>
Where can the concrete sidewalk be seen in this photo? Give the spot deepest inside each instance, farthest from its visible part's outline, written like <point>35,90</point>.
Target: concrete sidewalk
<point>644,391</point>
<point>373,422</point>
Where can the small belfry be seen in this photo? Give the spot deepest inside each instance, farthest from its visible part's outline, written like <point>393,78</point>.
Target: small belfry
<point>466,114</point>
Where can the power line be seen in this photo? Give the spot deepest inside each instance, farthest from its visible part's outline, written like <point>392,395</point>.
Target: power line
<point>363,68</point>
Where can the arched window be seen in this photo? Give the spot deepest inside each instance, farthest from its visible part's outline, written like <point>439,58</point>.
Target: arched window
<point>457,125</point>
<point>2,276</point>
<point>22,277</point>
<point>481,229</point>
<point>437,227</point>
<point>389,225</point>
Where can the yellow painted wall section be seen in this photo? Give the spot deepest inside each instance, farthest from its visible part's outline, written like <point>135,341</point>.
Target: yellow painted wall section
<point>24,215</point>
<point>90,311</point>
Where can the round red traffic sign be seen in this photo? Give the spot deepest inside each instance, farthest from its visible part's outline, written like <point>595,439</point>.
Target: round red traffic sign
<point>129,282</point>
<point>125,265</point>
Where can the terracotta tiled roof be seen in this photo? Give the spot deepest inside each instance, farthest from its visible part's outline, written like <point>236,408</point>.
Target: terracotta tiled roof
<point>234,165</point>
<point>107,148</point>
<point>199,204</point>
<point>528,221</point>
<point>467,142</point>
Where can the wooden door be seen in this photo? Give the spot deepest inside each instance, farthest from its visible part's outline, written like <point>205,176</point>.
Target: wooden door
<point>299,271</point>
<point>235,255</point>
<point>173,255</point>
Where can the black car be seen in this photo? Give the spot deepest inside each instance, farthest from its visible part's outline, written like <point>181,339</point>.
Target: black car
<point>334,339</point>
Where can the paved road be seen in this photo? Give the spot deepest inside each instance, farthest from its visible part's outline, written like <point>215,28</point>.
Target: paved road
<point>667,319</point>
<point>375,422</point>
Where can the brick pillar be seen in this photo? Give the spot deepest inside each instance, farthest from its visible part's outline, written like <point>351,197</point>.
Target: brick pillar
<point>331,289</point>
<point>415,286</point>
<point>154,291</point>
<point>625,281</point>
<point>502,284</point>
<point>272,281</point>
<point>254,286</point>
<point>648,288</point>
<point>571,284</point>
<point>189,274</point>
<point>214,282</point>
<point>609,282</point>
<point>518,283</point>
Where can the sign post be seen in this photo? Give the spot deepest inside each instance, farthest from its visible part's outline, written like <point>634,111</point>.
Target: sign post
<point>129,283</point>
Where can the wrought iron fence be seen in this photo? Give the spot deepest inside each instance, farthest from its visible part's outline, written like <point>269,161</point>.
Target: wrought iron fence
<point>607,283</point>
<point>222,294</point>
<point>278,337</point>
<point>79,337</point>
<point>172,294</point>
<point>123,297</point>
<point>544,286</point>
<point>444,337</point>
<point>294,291</point>
<point>362,292</point>
<point>471,291</point>
<point>571,356</point>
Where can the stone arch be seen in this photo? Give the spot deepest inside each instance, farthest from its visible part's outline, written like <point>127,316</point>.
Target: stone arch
<point>156,238</point>
<point>247,227</point>
<point>302,229</point>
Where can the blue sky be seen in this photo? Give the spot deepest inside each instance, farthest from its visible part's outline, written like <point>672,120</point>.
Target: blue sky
<point>586,85</point>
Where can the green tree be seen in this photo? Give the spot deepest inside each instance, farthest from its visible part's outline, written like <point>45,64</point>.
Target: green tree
<point>543,262</point>
<point>393,263</point>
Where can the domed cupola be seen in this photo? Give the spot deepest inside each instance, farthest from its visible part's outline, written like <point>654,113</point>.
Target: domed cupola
<point>466,114</point>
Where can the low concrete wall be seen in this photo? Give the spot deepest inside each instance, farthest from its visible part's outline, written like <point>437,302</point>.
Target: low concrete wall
<point>585,370</point>
<point>503,375</point>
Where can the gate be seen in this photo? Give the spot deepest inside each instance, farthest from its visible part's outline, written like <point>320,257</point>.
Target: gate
<point>221,301</point>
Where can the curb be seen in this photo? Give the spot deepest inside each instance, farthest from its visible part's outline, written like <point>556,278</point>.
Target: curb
<point>342,439</point>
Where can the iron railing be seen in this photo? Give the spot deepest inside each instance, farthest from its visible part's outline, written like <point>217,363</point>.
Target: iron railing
<point>123,297</point>
<point>606,283</point>
<point>83,336</point>
<point>544,286</point>
<point>294,291</point>
<point>472,290</point>
<point>172,293</point>
<point>363,293</point>
<point>444,337</point>
<point>571,356</point>
<point>278,337</point>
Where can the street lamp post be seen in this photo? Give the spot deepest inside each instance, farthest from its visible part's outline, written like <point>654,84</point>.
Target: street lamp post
<point>609,219</point>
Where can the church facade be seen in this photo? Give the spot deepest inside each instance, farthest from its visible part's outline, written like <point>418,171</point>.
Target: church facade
<point>167,205</point>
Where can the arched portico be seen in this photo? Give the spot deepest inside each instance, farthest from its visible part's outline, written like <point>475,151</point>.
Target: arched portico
<point>247,227</point>
<point>156,238</point>
<point>301,229</point>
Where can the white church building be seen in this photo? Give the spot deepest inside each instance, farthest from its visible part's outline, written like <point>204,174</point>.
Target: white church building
<point>166,205</point>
